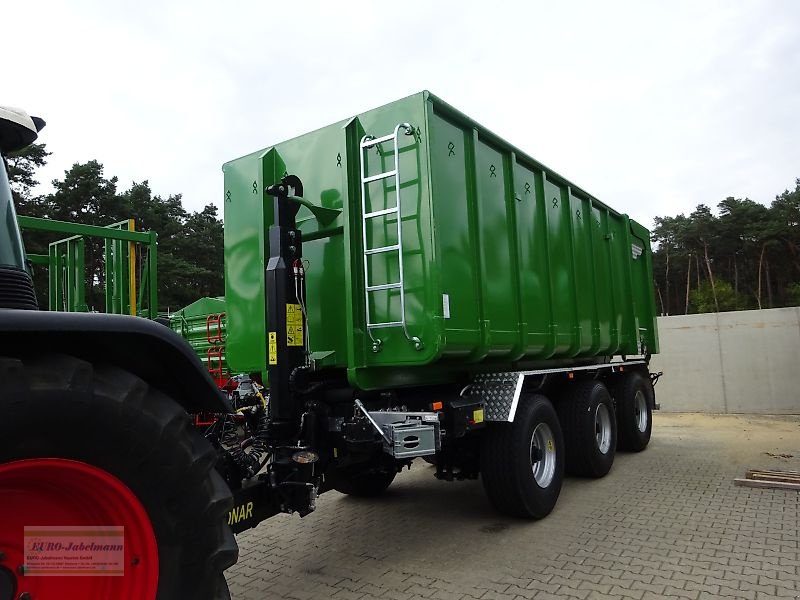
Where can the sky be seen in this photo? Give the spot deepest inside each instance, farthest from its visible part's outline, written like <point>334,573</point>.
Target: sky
<point>652,107</point>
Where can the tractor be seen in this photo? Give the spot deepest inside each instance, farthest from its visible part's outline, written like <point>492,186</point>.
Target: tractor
<point>95,432</point>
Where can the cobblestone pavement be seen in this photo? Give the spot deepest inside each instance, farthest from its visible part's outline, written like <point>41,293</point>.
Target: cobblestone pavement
<point>665,523</point>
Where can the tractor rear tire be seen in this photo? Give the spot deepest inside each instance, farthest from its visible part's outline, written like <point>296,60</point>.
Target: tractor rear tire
<point>586,412</point>
<point>111,422</point>
<point>635,399</point>
<point>522,463</point>
<point>366,484</point>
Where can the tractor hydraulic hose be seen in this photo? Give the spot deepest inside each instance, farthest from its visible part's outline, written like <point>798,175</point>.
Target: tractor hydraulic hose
<point>259,450</point>
<point>230,442</point>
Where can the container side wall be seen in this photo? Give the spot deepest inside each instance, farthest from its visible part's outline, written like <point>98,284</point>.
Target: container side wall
<point>604,295</point>
<point>534,267</point>
<point>537,268</point>
<point>583,276</point>
<point>246,224</point>
<point>562,278</point>
<point>499,288</point>
<point>621,258</point>
<point>460,274</point>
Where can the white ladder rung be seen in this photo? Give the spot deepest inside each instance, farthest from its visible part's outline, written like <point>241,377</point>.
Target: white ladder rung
<point>387,324</point>
<point>372,178</point>
<point>375,141</point>
<point>378,213</point>
<point>382,249</point>
<point>384,286</point>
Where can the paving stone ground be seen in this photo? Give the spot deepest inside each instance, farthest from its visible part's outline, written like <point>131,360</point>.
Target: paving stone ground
<point>665,523</point>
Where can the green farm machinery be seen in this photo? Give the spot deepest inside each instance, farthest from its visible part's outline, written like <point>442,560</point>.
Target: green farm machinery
<point>402,284</point>
<point>128,290</point>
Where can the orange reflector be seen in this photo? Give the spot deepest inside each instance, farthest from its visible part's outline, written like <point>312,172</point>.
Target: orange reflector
<point>436,406</point>
<point>571,375</point>
<point>621,369</point>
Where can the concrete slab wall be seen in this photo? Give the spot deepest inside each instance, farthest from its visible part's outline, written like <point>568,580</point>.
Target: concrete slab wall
<point>735,362</point>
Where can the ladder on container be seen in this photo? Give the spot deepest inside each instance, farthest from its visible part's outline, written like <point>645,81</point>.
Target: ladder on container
<point>368,142</point>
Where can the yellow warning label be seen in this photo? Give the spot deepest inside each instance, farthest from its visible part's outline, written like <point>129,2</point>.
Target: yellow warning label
<point>550,446</point>
<point>294,325</point>
<point>477,416</point>
<point>294,315</point>
<point>273,348</point>
<point>294,335</point>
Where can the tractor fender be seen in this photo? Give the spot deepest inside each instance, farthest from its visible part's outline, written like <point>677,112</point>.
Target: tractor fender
<point>145,348</point>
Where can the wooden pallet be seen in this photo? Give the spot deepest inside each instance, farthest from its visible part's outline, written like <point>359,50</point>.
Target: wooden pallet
<point>763,478</point>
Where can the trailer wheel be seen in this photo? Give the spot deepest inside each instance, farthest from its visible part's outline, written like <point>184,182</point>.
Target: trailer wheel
<point>93,445</point>
<point>522,463</point>
<point>586,412</point>
<point>365,484</point>
<point>634,395</point>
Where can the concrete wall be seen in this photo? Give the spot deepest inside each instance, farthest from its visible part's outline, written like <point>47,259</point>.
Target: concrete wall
<point>734,362</point>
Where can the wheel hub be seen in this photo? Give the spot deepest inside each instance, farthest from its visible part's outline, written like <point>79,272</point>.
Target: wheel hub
<point>51,492</point>
<point>640,411</point>
<point>602,428</point>
<point>543,455</point>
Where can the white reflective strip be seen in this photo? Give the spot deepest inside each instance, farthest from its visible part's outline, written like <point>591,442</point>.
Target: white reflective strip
<point>515,401</point>
<point>523,374</point>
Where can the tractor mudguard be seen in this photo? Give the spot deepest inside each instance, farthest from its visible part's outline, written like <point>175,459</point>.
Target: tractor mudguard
<point>147,349</point>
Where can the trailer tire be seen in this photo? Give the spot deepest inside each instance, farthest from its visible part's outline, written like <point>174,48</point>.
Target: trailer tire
<point>586,412</point>
<point>522,463</point>
<point>366,484</point>
<point>634,395</point>
<point>62,412</point>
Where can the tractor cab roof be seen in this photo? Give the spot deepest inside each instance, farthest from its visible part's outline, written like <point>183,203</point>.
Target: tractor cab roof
<point>17,129</point>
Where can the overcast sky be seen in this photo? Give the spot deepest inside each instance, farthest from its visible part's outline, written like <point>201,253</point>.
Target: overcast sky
<point>653,107</point>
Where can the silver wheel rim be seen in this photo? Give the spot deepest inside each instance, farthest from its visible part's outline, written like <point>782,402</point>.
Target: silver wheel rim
<point>602,428</point>
<point>640,411</point>
<point>543,455</point>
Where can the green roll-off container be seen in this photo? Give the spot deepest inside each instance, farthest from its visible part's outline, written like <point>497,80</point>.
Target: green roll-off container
<point>498,263</point>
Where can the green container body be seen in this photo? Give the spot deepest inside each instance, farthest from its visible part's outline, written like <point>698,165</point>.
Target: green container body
<point>191,322</point>
<point>506,264</point>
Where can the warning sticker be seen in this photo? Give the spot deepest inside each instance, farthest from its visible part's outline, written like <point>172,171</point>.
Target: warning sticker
<point>294,325</point>
<point>273,348</point>
<point>294,315</point>
<point>294,335</point>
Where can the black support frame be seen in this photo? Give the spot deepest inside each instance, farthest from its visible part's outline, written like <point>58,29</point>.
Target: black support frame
<point>285,247</point>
